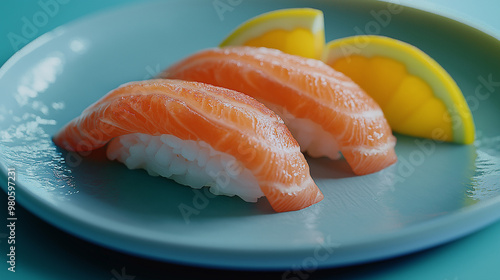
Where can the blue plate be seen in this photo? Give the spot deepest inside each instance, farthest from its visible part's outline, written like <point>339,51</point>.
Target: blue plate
<point>437,192</point>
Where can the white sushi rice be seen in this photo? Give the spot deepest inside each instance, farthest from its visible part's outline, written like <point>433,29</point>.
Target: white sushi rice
<point>192,163</point>
<point>311,137</point>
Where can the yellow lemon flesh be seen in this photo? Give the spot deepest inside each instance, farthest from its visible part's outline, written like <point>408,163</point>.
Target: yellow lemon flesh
<point>418,97</point>
<point>294,31</point>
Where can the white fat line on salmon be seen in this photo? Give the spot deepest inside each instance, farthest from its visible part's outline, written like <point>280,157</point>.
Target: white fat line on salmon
<point>263,164</point>
<point>372,114</point>
<point>241,107</point>
<point>290,61</point>
<point>365,122</point>
<point>265,72</point>
<point>320,76</point>
<point>381,149</point>
<point>245,109</point>
<point>286,188</point>
<point>255,67</point>
<point>200,113</point>
<point>288,150</point>
<point>313,73</point>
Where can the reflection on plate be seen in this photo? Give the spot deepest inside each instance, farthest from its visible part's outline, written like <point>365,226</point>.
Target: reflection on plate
<point>435,193</point>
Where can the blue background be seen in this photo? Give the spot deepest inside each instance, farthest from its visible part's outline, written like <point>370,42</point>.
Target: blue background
<point>44,252</point>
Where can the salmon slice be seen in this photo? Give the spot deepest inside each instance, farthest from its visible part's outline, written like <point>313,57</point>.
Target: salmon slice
<point>325,110</point>
<point>228,121</point>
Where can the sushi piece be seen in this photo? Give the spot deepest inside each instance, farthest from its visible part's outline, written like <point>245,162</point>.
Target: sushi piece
<point>325,111</point>
<point>198,135</point>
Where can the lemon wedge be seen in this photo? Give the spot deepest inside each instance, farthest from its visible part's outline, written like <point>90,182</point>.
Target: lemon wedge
<point>297,31</point>
<point>418,97</point>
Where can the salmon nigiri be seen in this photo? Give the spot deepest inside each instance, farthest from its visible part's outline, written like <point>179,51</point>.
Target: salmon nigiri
<point>325,111</point>
<point>199,135</point>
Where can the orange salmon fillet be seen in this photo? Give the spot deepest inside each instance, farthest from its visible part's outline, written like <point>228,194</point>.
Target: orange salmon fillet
<point>305,88</point>
<point>228,121</point>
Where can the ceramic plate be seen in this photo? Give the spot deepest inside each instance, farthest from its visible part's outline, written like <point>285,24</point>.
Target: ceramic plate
<point>437,192</point>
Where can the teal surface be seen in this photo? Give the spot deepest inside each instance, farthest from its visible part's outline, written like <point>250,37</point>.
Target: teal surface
<point>51,254</point>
